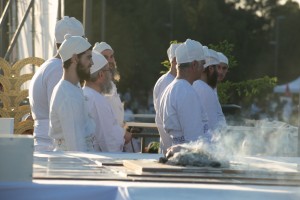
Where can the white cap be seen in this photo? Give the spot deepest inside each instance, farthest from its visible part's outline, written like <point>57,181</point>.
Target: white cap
<point>72,45</point>
<point>211,58</point>
<point>171,51</point>
<point>67,25</point>
<point>102,46</point>
<point>189,51</point>
<point>223,58</point>
<point>98,60</point>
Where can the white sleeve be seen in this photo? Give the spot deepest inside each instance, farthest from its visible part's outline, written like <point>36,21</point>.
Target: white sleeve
<point>73,127</point>
<point>51,81</point>
<point>112,135</point>
<point>220,115</point>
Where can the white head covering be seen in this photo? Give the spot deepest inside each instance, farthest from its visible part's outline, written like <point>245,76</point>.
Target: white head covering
<point>68,25</point>
<point>189,51</point>
<point>211,58</point>
<point>72,45</point>
<point>171,51</point>
<point>102,46</point>
<point>223,58</point>
<point>98,60</point>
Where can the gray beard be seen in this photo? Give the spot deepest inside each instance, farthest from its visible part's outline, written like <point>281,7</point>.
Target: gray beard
<point>106,88</point>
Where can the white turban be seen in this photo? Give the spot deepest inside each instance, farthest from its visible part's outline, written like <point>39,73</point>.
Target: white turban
<point>223,58</point>
<point>189,51</point>
<point>98,60</point>
<point>171,51</point>
<point>102,46</point>
<point>67,25</point>
<point>211,58</point>
<point>72,45</point>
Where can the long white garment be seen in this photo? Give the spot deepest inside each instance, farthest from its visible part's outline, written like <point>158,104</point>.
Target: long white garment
<point>211,104</point>
<point>116,104</point>
<point>109,134</point>
<point>160,86</point>
<point>40,91</point>
<point>71,126</point>
<point>183,116</point>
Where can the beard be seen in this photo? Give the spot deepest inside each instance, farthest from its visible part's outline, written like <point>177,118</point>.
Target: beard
<point>115,72</point>
<point>81,73</point>
<point>106,87</point>
<point>212,79</point>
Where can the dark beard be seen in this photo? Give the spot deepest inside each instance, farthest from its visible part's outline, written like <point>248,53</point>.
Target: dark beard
<point>82,75</point>
<point>212,79</point>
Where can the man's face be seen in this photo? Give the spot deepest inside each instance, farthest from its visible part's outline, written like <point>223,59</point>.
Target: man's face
<point>106,85</point>
<point>212,76</point>
<point>84,65</point>
<point>222,71</point>
<point>109,55</point>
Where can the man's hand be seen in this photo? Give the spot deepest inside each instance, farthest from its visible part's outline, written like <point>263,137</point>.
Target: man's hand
<point>127,137</point>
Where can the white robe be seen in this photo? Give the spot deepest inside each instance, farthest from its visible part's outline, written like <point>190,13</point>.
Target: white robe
<point>183,117</point>
<point>71,126</point>
<point>159,88</point>
<point>109,134</point>
<point>40,91</point>
<point>116,104</point>
<point>211,104</point>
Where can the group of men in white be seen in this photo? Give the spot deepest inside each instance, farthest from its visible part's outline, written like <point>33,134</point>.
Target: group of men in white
<point>66,116</point>
<point>185,99</point>
<point>70,118</point>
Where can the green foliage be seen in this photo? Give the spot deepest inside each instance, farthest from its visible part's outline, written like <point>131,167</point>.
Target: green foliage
<point>140,32</point>
<point>227,49</point>
<point>245,91</point>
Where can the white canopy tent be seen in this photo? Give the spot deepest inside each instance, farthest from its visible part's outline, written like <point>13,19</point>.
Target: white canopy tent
<point>292,87</point>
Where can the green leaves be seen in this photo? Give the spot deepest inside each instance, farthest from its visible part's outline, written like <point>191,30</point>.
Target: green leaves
<point>246,90</point>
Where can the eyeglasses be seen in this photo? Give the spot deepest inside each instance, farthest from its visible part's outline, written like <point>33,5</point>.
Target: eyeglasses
<point>104,70</point>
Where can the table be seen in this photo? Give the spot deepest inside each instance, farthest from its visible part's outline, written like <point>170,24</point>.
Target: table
<point>143,135</point>
<point>77,175</point>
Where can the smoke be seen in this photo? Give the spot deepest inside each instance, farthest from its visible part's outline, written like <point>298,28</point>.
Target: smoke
<point>256,138</point>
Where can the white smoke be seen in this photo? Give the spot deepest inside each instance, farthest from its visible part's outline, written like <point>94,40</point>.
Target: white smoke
<point>257,138</point>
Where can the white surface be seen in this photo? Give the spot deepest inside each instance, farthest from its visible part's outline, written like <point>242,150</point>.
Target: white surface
<point>134,190</point>
<point>141,124</point>
<point>7,126</point>
<point>73,190</point>
<point>16,155</point>
<point>294,87</point>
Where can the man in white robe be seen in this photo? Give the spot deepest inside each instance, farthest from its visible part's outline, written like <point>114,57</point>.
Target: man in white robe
<point>110,136</point>
<point>71,127</point>
<point>183,116</point>
<point>159,87</point>
<point>113,97</point>
<point>205,89</point>
<point>43,82</point>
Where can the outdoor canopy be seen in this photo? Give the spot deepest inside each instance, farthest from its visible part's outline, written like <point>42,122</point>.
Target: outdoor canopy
<point>292,87</point>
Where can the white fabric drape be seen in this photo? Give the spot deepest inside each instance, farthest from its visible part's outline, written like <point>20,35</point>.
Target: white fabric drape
<point>45,17</point>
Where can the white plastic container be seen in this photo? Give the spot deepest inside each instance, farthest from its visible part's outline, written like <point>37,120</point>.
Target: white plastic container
<point>16,157</point>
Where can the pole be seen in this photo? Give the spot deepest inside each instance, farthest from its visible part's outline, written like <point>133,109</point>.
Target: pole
<point>103,20</point>
<point>87,17</point>
<point>277,39</point>
<point>14,39</point>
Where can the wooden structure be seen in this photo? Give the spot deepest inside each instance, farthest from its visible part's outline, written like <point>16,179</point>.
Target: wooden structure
<point>12,96</point>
